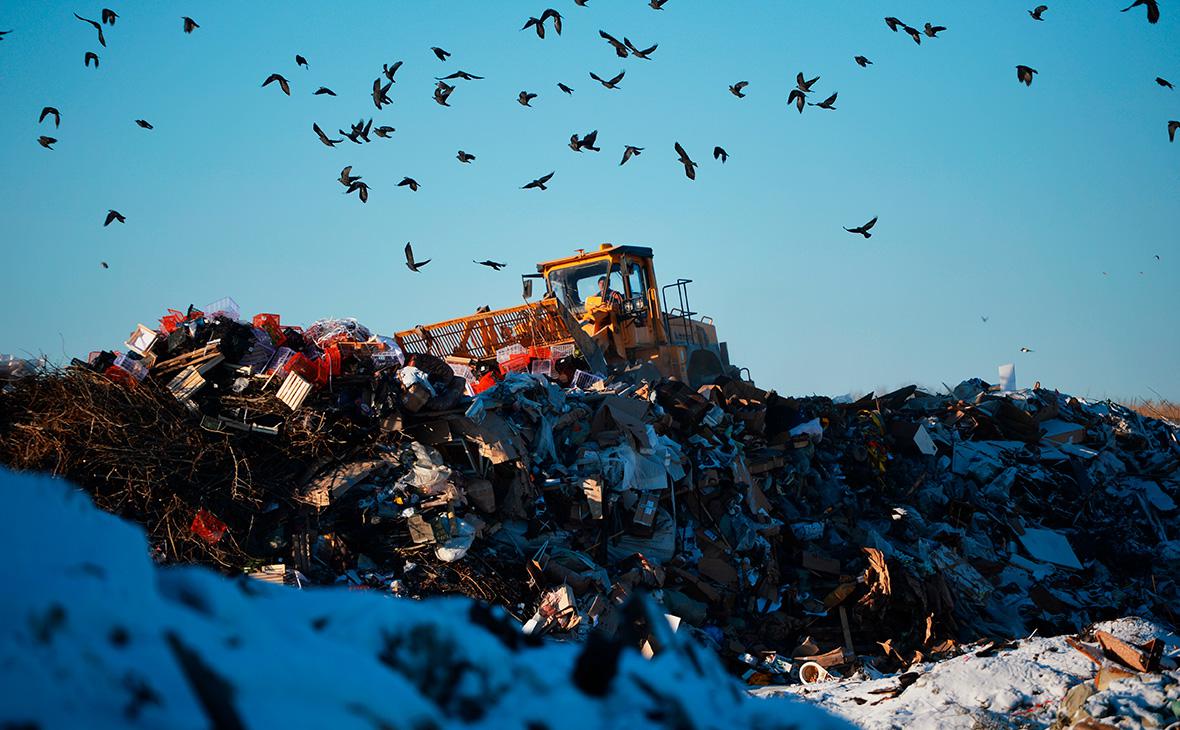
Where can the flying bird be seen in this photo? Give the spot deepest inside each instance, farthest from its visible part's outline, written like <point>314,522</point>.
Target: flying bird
<point>105,265</point>
<point>347,178</point>
<point>409,182</point>
<point>381,93</point>
<point>389,71</point>
<point>50,111</point>
<point>630,151</point>
<point>440,53</point>
<point>580,3</point>
<point>362,189</point>
<point>189,24</point>
<point>465,157</point>
<point>932,31</point>
<point>893,23</point>
<point>112,216</point>
<point>1153,9</point>
<point>657,4</point>
<point>1172,127</point>
<point>804,86</point>
<point>862,61</point>
<point>539,183</point>
<point>798,98</point>
<point>459,75</point>
<point>983,318</point>
<point>535,23</point>
<point>46,142</point>
<point>719,153</point>
<point>4,33</point>
<point>689,166</point>
<point>585,143</point>
<point>322,91</point>
<point>1164,82</point>
<point>301,61</point>
<point>323,137</point>
<point>551,14</point>
<point>442,92</point>
<point>109,16</point>
<point>1038,11</point>
<point>828,103</point>
<point>525,97</point>
<point>564,88</point>
<point>411,264</point>
<point>914,33</point>
<point>736,89</point>
<point>490,264</point>
<point>144,124</point>
<point>1024,74</point>
<point>613,83</point>
<point>384,131</point>
<point>90,56</point>
<point>621,49</point>
<point>864,230</point>
<point>97,26</point>
<point>1025,349</point>
<point>644,54</point>
<point>283,83</point>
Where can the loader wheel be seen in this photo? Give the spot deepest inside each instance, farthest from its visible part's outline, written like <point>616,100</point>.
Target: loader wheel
<point>703,368</point>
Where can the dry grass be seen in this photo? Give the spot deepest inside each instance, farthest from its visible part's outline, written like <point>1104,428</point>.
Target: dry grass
<point>1160,408</point>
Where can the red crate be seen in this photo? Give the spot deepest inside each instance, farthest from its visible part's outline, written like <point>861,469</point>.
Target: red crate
<point>487,381</point>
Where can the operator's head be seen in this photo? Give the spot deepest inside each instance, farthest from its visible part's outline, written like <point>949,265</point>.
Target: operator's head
<point>602,285</point>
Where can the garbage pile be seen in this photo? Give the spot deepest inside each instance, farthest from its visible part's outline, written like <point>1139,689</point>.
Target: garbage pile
<point>799,537</point>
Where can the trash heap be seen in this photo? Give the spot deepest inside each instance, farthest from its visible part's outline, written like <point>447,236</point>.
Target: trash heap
<point>802,538</point>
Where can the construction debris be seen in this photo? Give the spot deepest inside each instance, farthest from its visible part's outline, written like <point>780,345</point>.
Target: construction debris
<point>802,538</point>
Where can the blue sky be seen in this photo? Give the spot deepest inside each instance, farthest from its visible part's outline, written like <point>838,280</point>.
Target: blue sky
<point>994,199</point>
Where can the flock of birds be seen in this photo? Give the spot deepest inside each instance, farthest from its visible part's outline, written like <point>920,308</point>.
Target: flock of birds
<point>550,20</point>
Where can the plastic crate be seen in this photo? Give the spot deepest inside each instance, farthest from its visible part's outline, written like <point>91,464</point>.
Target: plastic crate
<point>557,352</point>
<point>516,364</point>
<point>505,354</point>
<point>272,325</point>
<point>136,368</point>
<point>586,381</point>
<point>489,380</point>
<point>224,307</point>
<point>541,367</point>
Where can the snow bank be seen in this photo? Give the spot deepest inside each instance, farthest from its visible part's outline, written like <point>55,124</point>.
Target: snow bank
<point>93,634</point>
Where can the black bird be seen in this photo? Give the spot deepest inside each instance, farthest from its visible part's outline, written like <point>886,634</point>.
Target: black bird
<point>864,230</point>
<point>381,93</point>
<point>933,30</point>
<point>644,54</point>
<point>105,265</point>
<point>4,33</point>
<point>525,97</point>
<point>50,111</point>
<point>465,157</point>
<point>828,103</point>
<point>384,131</point>
<point>893,23</point>
<point>657,4</point>
<point>620,48</point>
<point>109,16</point>
<point>1153,9</point>
<point>490,264</point>
<point>719,153</point>
<point>630,151</point>
<point>550,13</point>
<point>736,89</point>
<point>1164,82</point>
<point>440,53</point>
<point>539,183</point>
<point>97,26</point>
<point>798,98</point>
<point>322,91</point>
<point>564,88</point>
<point>804,86</point>
<point>189,24</point>
<point>389,71</point>
<point>112,216</point>
<point>347,178</point>
<point>90,56</point>
<point>1172,127</point>
<point>362,189</point>
<point>1025,349</point>
<point>613,83</point>
<point>354,135</point>
<point>409,182</point>
<point>914,33</point>
<point>862,61</point>
<point>580,3</point>
<point>46,142</point>
<point>535,23</point>
<point>411,264</point>
<point>323,137</point>
<point>458,75</point>
<point>283,84</point>
<point>1038,11</point>
<point>585,143</point>
<point>144,124</point>
<point>301,61</point>
<point>689,165</point>
<point>1024,74</point>
<point>442,92</point>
